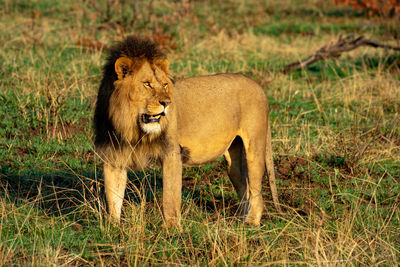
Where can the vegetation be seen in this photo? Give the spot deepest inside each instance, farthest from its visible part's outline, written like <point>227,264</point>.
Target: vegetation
<point>380,7</point>
<point>335,127</point>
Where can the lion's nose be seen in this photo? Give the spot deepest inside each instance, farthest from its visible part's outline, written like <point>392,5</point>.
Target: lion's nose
<point>165,103</point>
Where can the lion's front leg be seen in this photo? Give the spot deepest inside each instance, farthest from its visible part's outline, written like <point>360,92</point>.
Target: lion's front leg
<point>115,179</point>
<point>172,188</point>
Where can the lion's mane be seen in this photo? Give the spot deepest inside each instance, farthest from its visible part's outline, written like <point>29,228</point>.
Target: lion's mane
<point>106,135</point>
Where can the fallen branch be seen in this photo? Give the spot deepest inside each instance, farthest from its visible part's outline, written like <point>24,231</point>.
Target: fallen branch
<point>334,50</point>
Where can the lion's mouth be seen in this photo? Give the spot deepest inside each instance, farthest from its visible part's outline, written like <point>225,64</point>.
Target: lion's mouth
<point>148,118</point>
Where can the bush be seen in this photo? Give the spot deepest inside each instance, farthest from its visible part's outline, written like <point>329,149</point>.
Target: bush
<point>386,8</point>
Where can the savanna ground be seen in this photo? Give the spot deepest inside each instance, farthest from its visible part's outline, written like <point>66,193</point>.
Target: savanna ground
<point>335,127</point>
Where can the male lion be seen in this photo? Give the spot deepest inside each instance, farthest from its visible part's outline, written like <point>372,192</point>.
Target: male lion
<point>141,115</point>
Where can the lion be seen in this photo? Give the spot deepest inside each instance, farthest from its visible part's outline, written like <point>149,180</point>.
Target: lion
<point>142,114</point>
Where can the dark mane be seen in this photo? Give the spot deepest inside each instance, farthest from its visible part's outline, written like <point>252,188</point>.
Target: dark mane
<point>132,47</point>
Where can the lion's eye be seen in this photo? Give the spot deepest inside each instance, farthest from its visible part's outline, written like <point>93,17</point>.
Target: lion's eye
<point>165,85</point>
<point>147,84</point>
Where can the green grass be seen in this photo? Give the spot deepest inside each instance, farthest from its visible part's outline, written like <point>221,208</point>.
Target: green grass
<point>335,127</point>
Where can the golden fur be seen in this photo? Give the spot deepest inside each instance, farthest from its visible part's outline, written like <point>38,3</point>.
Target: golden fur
<point>141,115</point>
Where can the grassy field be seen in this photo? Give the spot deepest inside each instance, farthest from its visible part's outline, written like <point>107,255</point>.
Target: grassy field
<point>335,128</point>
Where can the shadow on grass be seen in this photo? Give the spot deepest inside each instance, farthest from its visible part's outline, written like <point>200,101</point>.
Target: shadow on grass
<point>65,192</point>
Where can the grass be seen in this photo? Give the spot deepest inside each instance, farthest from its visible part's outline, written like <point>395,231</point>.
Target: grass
<point>335,127</point>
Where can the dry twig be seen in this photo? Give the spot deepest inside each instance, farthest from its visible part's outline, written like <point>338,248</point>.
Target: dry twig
<point>346,44</point>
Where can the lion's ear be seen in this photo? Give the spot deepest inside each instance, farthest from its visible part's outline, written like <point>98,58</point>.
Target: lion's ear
<point>123,66</point>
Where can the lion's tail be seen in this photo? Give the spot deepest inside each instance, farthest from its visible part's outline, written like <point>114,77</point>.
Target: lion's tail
<point>269,162</point>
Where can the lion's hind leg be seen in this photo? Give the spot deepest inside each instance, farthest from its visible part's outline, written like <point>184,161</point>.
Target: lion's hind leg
<point>255,159</point>
<point>237,171</point>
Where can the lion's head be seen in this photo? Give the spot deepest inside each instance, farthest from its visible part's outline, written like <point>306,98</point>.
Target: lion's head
<point>134,95</point>
<point>141,97</point>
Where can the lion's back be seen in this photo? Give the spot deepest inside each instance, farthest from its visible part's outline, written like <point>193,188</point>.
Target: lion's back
<point>219,95</point>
